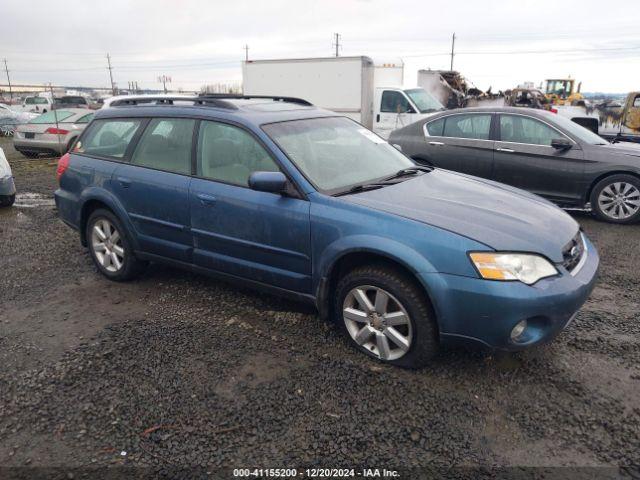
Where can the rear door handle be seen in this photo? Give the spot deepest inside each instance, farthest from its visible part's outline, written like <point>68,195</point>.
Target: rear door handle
<point>125,182</point>
<point>206,199</point>
<point>437,144</point>
<point>506,150</point>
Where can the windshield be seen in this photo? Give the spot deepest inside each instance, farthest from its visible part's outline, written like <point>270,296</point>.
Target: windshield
<point>424,101</point>
<point>581,133</point>
<point>336,153</point>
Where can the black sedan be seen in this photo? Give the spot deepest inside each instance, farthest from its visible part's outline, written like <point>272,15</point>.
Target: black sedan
<point>535,150</point>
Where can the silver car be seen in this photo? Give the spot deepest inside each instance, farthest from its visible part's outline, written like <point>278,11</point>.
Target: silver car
<point>52,133</point>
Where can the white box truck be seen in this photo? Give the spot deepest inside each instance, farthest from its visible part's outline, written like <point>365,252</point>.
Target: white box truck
<point>352,86</point>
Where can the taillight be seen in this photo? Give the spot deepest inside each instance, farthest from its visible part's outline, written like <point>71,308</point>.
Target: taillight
<point>56,131</point>
<point>554,110</point>
<point>63,165</point>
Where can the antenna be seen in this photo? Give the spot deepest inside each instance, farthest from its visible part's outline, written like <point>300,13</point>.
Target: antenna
<point>246,53</point>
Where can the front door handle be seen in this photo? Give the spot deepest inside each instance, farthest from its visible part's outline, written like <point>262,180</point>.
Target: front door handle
<point>125,182</point>
<point>437,144</point>
<point>206,199</point>
<point>506,150</point>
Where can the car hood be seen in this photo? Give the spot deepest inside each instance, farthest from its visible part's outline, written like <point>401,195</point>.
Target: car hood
<point>499,216</point>
<point>625,148</point>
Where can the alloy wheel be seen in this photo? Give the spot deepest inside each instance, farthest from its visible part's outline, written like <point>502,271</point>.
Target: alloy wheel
<point>619,200</point>
<point>378,322</point>
<point>106,243</point>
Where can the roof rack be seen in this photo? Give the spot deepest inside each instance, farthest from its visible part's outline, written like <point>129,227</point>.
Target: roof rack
<point>168,100</point>
<point>219,100</point>
<point>275,98</point>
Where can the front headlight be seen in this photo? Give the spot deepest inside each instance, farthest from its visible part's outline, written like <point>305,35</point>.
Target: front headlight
<point>525,267</point>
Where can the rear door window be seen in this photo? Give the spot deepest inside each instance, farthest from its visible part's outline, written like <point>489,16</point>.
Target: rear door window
<point>166,145</point>
<point>109,137</point>
<point>474,126</point>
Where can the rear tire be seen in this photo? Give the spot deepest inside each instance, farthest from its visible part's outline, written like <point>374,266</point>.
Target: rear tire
<point>7,200</point>
<point>616,199</point>
<point>111,248</point>
<point>400,329</point>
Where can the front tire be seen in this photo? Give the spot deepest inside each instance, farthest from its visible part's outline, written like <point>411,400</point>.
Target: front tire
<point>616,199</point>
<point>110,247</point>
<point>386,315</point>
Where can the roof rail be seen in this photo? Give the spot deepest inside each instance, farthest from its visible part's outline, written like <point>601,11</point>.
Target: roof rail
<point>169,100</point>
<point>219,100</point>
<point>275,98</point>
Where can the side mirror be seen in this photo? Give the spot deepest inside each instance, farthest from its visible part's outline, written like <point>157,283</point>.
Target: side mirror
<point>272,182</point>
<point>561,144</point>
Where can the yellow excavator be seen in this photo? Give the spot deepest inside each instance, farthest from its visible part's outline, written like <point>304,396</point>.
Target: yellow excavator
<point>562,91</point>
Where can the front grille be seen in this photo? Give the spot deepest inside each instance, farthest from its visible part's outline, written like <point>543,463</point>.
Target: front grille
<point>572,252</point>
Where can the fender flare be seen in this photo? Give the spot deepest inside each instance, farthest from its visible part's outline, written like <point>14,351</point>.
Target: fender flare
<point>111,202</point>
<point>388,248</point>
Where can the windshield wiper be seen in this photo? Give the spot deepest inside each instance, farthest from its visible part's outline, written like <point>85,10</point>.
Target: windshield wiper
<point>385,182</point>
<point>409,171</point>
<point>361,188</point>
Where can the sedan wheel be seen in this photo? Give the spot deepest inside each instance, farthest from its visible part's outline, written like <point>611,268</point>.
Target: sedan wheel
<point>619,200</point>
<point>378,322</point>
<point>107,246</point>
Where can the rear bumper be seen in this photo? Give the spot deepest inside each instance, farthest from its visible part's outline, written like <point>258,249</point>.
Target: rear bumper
<point>68,208</point>
<point>473,310</point>
<point>7,187</point>
<point>35,146</point>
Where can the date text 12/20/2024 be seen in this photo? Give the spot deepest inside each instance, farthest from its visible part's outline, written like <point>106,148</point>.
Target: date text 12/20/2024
<point>315,473</point>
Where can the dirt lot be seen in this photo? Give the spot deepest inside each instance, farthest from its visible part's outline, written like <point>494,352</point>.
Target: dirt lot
<point>176,369</point>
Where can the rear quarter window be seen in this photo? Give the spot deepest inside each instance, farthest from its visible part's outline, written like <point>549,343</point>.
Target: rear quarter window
<point>436,127</point>
<point>108,137</point>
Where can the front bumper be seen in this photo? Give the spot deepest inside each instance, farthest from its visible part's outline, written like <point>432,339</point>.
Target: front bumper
<point>7,186</point>
<point>473,310</point>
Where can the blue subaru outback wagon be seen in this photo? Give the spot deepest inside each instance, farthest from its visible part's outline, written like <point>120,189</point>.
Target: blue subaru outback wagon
<point>280,195</point>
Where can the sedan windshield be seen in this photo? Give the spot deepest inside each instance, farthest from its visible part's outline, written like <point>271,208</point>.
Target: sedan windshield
<point>424,101</point>
<point>336,153</point>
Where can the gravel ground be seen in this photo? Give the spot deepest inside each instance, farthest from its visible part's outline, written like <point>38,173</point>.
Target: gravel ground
<point>177,370</point>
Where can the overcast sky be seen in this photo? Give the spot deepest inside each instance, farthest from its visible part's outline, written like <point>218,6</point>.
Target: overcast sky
<point>499,43</point>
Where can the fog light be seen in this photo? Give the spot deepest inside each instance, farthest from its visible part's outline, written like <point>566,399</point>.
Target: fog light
<point>518,330</point>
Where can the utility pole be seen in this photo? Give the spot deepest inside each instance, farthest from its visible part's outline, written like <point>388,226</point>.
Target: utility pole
<point>246,53</point>
<point>337,43</point>
<point>6,69</point>
<point>113,87</point>
<point>164,80</point>
<point>453,44</point>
